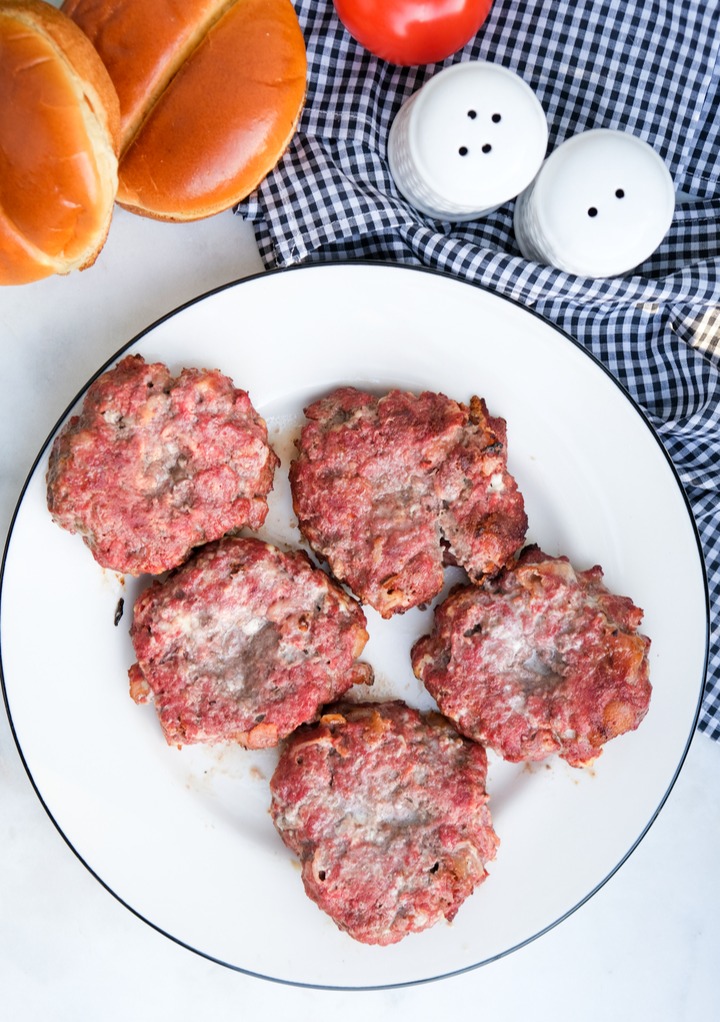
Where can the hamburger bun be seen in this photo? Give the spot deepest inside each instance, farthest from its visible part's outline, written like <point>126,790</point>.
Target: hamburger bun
<point>210,92</point>
<point>59,125</point>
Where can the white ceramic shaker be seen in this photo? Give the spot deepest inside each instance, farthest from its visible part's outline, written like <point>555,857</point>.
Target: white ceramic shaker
<point>472,138</point>
<point>600,205</point>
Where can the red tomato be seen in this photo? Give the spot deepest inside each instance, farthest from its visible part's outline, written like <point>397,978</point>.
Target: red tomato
<point>408,32</point>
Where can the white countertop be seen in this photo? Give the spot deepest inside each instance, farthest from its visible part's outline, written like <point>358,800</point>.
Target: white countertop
<point>644,947</point>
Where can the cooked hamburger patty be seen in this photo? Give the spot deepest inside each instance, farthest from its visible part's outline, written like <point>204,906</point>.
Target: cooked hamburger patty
<point>243,643</point>
<point>389,489</point>
<point>155,465</point>
<point>386,809</point>
<point>543,659</point>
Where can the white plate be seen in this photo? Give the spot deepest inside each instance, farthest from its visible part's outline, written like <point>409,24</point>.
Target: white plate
<point>183,837</point>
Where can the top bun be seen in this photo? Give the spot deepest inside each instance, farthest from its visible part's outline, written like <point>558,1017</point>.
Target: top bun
<point>210,92</point>
<point>59,125</point>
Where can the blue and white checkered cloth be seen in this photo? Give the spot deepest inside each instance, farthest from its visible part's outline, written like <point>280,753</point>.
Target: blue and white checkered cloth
<point>650,68</point>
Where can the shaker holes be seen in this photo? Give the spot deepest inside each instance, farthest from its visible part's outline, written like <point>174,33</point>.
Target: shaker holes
<point>487,148</point>
<point>463,150</point>
<point>496,118</point>
<point>619,194</point>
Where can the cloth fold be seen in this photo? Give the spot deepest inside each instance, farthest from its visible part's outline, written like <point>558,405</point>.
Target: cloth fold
<point>651,68</point>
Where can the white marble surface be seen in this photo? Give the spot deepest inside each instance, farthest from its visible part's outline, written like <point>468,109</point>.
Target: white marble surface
<point>644,947</point>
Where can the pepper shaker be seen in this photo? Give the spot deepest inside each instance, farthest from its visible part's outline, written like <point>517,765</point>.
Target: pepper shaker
<point>599,206</point>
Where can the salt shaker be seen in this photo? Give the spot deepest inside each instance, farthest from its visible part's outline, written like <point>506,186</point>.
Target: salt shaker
<point>599,206</point>
<point>469,140</point>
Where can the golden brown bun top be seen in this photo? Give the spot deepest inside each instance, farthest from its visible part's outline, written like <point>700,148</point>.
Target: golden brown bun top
<point>210,91</point>
<point>143,43</point>
<point>59,123</point>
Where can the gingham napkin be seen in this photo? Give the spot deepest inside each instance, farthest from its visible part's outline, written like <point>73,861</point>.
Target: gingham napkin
<point>649,67</point>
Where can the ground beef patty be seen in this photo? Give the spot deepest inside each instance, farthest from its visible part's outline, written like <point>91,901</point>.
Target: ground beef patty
<point>243,643</point>
<point>386,809</point>
<point>543,659</point>
<point>389,489</point>
<point>154,465</point>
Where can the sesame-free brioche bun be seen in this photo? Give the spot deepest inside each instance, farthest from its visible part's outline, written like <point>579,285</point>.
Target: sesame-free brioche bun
<point>59,125</point>
<point>210,92</point>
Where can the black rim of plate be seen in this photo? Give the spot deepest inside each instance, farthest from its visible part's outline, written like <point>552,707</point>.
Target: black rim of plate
<point>318,268</point>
